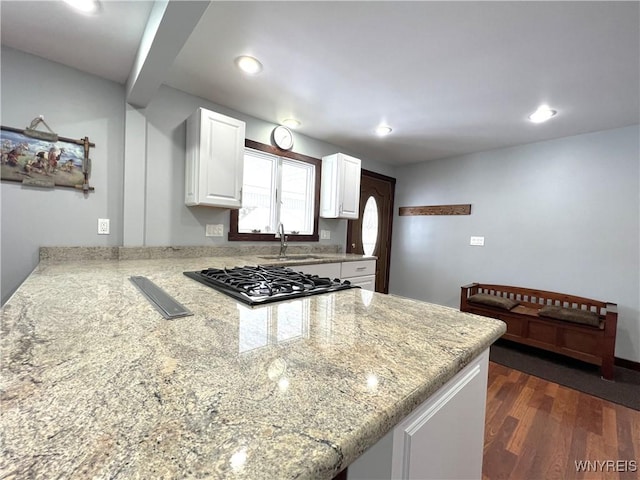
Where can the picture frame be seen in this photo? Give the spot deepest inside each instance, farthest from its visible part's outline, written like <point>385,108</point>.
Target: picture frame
<point>44,160</point>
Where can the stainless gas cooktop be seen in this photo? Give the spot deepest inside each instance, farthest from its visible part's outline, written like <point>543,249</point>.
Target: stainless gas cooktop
<point>260,285</point>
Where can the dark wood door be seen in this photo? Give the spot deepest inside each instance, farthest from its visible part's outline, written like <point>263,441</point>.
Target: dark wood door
<point>382,189</point>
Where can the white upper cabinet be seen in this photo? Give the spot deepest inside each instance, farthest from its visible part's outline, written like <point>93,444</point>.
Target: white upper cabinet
<point>340,192</point>
<point>215,158</point>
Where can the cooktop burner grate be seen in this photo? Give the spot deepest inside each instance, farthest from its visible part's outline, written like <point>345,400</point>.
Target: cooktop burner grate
<point>259,285</point>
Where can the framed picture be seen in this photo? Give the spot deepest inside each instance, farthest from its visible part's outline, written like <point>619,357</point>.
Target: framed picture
<point>43,162</point>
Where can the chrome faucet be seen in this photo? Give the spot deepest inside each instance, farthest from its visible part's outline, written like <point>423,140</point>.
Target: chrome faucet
<point>283,241</point>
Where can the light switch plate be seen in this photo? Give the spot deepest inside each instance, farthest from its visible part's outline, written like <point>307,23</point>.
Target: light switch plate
<point>477,241</point>
<point>325,234</point>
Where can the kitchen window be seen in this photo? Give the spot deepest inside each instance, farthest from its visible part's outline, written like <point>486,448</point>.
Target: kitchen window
<point>278,187</point>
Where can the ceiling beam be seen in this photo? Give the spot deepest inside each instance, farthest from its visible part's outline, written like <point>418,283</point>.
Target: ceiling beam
<point>169,26</point>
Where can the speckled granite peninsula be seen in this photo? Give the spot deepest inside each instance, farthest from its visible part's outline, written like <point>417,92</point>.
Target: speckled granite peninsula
<point>96,384</point>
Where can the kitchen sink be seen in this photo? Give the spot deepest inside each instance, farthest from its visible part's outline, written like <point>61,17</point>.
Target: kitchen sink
<point>302,256</point>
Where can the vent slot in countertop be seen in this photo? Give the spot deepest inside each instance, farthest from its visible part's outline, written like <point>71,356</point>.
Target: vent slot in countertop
<point>161,300</point>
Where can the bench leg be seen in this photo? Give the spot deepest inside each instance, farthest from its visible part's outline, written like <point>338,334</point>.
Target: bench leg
<point>607,368</point>
<point>609,345</point>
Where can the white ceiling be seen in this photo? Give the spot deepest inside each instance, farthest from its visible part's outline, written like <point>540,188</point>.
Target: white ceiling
<point>449,77</point>
<point>104,44</point>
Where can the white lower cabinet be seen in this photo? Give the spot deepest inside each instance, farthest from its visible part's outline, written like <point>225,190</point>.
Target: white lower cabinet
<point>330,270</point>
<point>368,282</point>
<point>441,439</point>
<point>357,269</point>
<point>360,273</point>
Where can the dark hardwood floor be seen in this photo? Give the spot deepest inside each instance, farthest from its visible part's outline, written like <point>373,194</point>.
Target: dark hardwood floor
<point>538,430</point>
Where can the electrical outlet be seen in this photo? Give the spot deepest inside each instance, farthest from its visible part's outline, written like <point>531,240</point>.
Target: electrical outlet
<point>325,234</point>
<point>103,226</point>
<point>477,241</point>
<point>214,230</point>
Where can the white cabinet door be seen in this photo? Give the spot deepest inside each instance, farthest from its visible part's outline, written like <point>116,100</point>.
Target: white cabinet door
<point>215,159</point>
<point>441,439</point>
<point>340,191</point>
<point>350,187</point>
<point>444,438</point>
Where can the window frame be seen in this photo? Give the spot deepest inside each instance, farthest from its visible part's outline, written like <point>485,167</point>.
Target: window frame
<point>235,235</point>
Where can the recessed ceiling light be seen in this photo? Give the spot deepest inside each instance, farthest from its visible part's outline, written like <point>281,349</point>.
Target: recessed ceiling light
<point>84,6</point>
<point>291,123</point>
<point>542,114</point>
<point>383,130</point>
<point>249,65</point>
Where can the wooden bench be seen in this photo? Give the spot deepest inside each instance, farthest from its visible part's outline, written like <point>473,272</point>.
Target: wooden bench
<point>592,343</point>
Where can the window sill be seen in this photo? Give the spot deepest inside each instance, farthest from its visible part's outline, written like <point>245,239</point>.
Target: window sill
<point>270,237</point>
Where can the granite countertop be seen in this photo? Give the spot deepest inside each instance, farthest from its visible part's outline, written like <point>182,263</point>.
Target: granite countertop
<point>96,384</point>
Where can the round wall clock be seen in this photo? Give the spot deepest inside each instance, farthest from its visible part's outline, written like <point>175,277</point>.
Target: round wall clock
<point>282,137</point>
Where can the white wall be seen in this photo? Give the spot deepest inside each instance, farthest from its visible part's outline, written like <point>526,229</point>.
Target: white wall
<point>149,144</point>
<point>561,215</point>
<point>168,220</point>
<point>75,105</point>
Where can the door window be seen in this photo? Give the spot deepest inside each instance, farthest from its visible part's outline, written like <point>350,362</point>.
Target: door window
<point>370,226</point>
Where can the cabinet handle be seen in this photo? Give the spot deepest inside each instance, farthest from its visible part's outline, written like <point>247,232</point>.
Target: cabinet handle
<point>361,268</point>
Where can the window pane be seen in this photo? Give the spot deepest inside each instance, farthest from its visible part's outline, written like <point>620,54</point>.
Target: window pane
<point>276,189</point>
<point>258,210</point>
<point>370,226</point>
<point>297,196</point>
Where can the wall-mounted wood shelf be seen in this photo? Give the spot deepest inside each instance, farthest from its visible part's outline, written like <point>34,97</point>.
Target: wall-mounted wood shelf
<point>461,209</point>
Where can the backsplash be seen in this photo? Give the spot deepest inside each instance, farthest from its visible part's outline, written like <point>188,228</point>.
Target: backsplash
<point>142,253</point>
